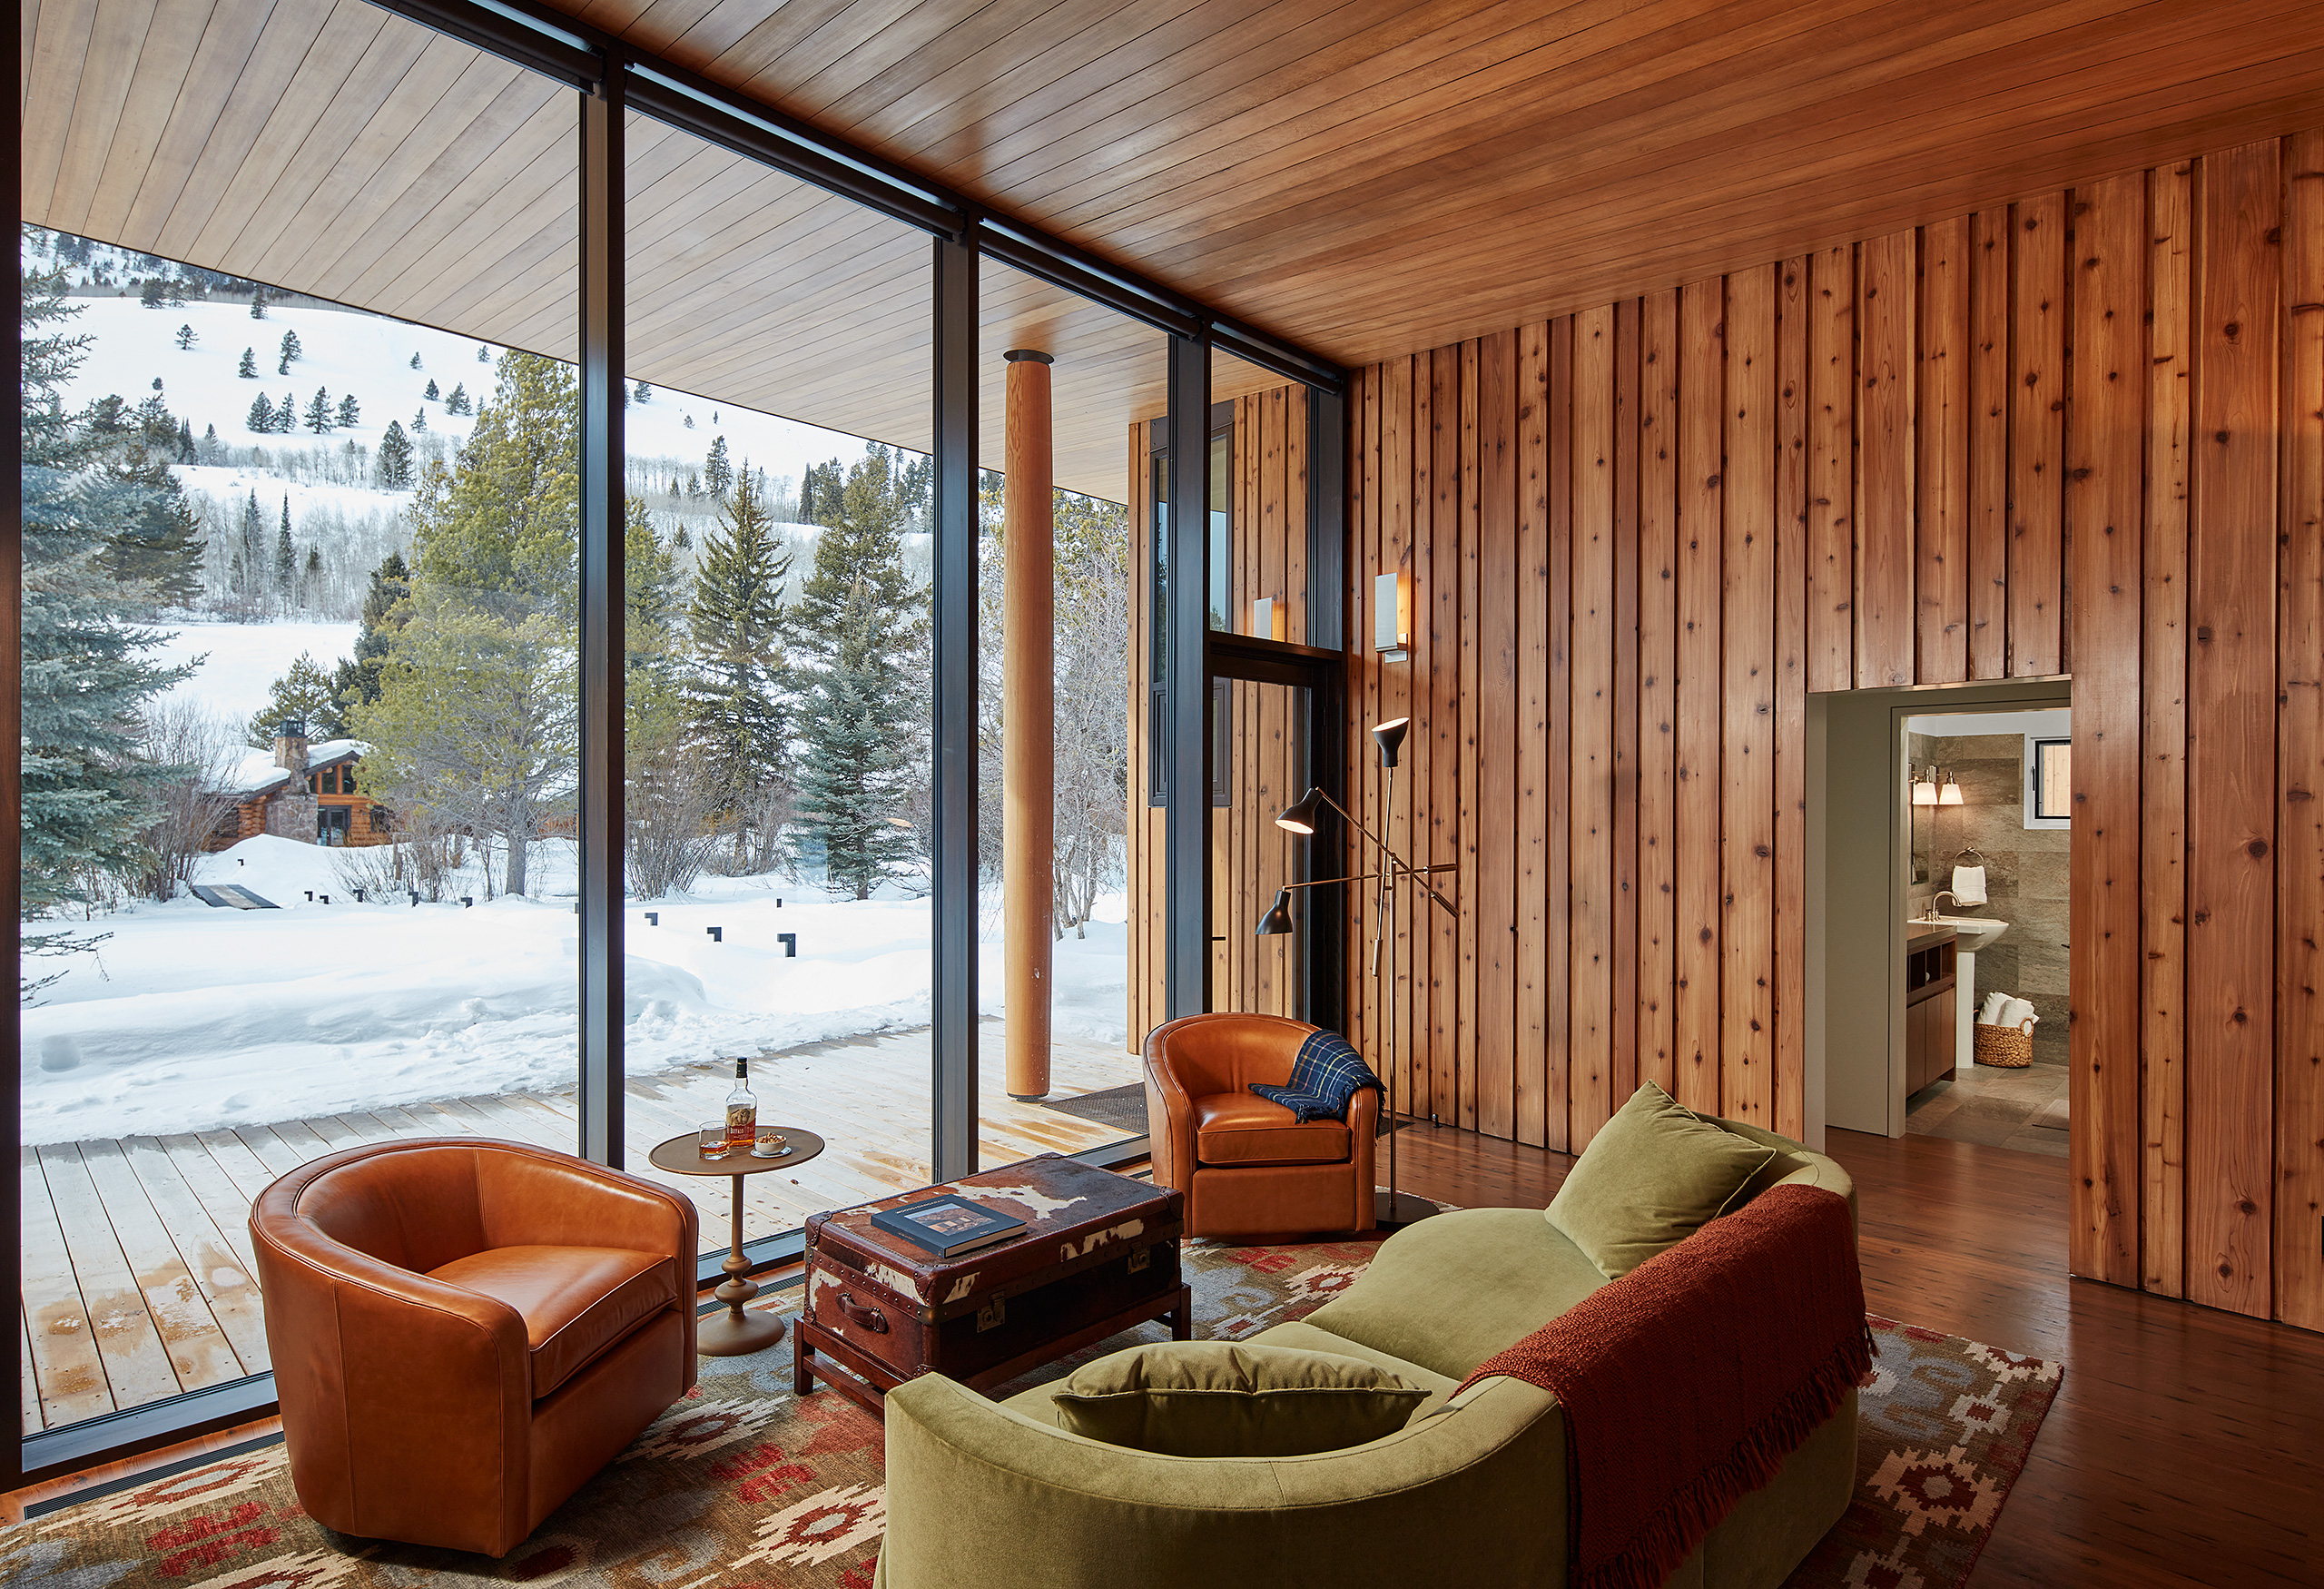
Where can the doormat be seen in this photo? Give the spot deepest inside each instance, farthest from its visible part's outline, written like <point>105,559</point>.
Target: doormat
<point>744,1483</point>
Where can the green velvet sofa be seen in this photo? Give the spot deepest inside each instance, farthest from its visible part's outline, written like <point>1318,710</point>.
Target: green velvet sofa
<point>996,1495</point>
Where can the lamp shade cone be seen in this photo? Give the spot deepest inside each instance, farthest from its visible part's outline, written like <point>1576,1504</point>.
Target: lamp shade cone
<point>1299,816</point>
<point>1277,921</point>
<point>1949,794</point>
<point>1390,737</point>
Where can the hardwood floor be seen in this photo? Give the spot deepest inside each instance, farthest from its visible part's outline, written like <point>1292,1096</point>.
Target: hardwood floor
<point>2186,1446</point>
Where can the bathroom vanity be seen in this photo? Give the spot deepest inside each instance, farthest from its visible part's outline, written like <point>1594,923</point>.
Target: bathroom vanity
<point>1932,1016</point>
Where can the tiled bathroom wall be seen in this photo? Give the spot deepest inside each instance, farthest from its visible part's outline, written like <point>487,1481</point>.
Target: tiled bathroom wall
<point>2025,874</point>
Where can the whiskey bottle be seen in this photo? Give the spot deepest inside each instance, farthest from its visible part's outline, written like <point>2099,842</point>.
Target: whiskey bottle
<point>741,1108</point>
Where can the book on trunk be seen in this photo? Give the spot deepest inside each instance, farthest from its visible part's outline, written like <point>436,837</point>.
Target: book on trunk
<point>948,1225</point>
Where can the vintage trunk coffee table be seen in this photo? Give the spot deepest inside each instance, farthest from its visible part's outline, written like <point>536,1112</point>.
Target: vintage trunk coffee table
<point>1099,1253</point>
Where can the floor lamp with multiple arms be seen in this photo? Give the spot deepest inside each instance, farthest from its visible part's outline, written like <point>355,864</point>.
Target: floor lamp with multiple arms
<point>1394,1206</point>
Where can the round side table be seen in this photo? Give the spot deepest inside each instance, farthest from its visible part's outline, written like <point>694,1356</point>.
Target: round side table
<point>734,1333</point>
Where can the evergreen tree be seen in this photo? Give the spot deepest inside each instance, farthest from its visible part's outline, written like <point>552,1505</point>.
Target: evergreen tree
<point>394,461</point>
<point>150,295</point>
<point>248,367</point>
<point>86,674</point>
<point>291,352</point>
<point>310,578</point>
<point>286,414</point>
<point>319,413</point>
<point>304,693</point>
<point>257,304</point>
<point>186,453</point>
<point>155,547</point>
<point>175,292</point>
<point>286,558</point>
<point>186,339</point>
<point>249,553</point>
<point>738,678</point>
<point>644,392</point>
<point>431,394</point>
<point>415,360</point>
<point>483,354</point>
<point>458,403</point>
<point>420,422</point>
<point>351,412</point>
<point>862,621</point>
<point>356,682</point>
<point>717,474</point>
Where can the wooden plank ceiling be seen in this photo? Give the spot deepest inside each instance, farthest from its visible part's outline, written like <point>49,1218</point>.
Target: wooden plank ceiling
<point>1367,177</point>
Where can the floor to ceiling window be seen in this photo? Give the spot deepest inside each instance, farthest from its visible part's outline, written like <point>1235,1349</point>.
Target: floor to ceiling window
<point>299,701</point>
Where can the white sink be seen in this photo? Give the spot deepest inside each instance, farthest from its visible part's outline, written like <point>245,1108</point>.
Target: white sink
<point>1972,932</point>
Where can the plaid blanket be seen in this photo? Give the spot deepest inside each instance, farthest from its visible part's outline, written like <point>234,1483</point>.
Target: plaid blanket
<point>1326,1075</point>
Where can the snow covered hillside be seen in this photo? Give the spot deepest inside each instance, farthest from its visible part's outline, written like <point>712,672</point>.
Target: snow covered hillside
<point>240,661</point>
<point>201,1018</point>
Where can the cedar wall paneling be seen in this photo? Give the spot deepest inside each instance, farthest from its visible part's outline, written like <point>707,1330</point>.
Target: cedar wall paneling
<point>2079,433</point>
<point>2082,433</point>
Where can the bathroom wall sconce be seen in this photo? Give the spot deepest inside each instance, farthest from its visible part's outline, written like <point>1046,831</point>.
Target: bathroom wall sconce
<point>1392,616</point>
<point>1924,788</point>
<point>1949,792</point>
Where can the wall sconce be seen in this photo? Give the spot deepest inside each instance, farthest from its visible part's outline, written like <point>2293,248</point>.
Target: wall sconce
<point>1924,788</point>
<point>1392,616</point>
<point>1270,620</point>
<point>1949,792</point>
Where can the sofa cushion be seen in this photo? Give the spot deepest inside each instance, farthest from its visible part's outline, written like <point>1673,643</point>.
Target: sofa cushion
<point>1300,1335</point>
<point>1228,1399</point>
<point>575,1301</point>
<point>1241,1128</point>
<point>1654,1175</point>
<point>1451,1290</point>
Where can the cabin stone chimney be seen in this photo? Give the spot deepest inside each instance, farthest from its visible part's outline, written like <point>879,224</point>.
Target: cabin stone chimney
<point>291,746</point>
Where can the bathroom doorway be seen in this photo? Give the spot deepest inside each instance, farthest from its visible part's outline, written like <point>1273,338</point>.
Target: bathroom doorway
<point>1938,853</point>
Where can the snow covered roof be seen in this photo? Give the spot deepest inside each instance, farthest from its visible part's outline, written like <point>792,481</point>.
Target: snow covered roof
<point>256,773</point>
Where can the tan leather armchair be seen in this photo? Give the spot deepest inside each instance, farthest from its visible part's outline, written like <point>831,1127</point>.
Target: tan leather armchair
<point>464,1331</point>
<point>1247,1167</point>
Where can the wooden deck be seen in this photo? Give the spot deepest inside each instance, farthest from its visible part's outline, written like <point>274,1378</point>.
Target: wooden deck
<point>138,1277</point>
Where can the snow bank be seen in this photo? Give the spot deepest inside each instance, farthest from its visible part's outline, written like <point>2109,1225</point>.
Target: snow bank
<point>190,1018</point>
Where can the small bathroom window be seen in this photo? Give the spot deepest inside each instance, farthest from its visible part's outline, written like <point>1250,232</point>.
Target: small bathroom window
<point>2049,782</point>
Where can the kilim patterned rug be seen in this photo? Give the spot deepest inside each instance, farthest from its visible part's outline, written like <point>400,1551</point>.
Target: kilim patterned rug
<point>747,1485</point>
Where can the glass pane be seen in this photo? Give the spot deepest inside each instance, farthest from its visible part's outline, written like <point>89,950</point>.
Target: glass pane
<point>301,714</point>
<point>779,682</point>
<point>1265,767</point>
<point>1065,1078</point>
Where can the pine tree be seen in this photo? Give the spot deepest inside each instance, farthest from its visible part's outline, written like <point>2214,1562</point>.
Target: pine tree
<point>186,339</point>
<point>458,403</point>
<point>431,394</point>
<point>248,367</point>
<point>286,414</point>
<point>483,354</point>
<point>351,412</point>
<point>150,295</point>
<point>393,463</point>
<point>286,558</point>
<point>86,674</point>
<point>862,619</point>
<point>186,453</point>
<point>291,352</point>
<point>319,413</point>
<point>717,474</point>
<point>304,694</point>
<point>738,679</point>
<point>257,304</point>
<point>415,360</point>
<point>153,546</point>
<point>644,392</point>
<point>420,422</point>
<point>356,681</point>
<point>249,554</point>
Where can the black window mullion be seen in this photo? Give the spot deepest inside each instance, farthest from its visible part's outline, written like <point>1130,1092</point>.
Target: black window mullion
<point>953,847</point>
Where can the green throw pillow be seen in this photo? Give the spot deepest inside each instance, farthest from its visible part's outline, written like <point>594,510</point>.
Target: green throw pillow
<point>1216,1398</point>
<point>1656,1174</point>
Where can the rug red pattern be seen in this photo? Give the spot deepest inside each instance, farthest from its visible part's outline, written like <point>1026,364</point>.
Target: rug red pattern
<point>745,1486</point>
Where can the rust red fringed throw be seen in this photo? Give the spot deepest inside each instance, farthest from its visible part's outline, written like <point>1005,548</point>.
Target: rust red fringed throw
<point>1686,1382</point>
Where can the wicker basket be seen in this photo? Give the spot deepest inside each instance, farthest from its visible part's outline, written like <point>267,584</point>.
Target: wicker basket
<point>2010,1047</point>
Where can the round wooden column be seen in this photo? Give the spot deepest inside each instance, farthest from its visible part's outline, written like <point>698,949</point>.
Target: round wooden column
<point>1028,723</point>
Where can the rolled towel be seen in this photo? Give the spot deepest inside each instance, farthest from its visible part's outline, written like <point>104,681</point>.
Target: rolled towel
<point>1994,1002</point>
<point>2018,1013</point>
<point>1969,885</point>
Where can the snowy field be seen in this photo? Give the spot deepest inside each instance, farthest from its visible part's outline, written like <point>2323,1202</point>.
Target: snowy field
<point>190,1018</point>
<point>238,662</point>
<point>369,356</point>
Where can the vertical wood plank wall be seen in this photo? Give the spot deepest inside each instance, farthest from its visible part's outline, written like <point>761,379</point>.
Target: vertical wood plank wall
<point>2082,433</point>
